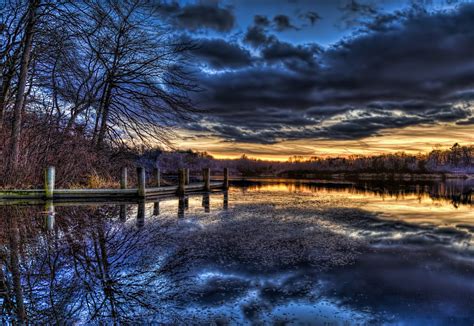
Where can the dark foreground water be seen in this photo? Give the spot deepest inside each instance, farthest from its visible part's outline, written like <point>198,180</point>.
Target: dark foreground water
<point>269,253</point>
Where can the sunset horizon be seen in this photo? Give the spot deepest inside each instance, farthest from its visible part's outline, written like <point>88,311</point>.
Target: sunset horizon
<point>409,140</point>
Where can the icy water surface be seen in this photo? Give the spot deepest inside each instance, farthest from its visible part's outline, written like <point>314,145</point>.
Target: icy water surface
<point>263,253</point>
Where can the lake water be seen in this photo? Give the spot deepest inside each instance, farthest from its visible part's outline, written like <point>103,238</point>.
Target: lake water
<point>273,252</point>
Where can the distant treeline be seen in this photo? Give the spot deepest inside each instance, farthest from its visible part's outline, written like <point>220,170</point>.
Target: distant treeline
<point>457,159</point>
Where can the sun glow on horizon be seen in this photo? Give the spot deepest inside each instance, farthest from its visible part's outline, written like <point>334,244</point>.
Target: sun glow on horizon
<point>411,140</point>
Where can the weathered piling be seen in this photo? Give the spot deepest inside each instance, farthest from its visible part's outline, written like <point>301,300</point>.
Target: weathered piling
<point>186,177</point>
<point>181,181</point>
<point>226,178</point>
<point>157,177</point>
<point>49,177</point>
<point>141,182</point>
<point>123,178</point>
<point>206,176</point>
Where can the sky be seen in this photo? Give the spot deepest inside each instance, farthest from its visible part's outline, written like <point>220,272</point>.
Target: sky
<point>327,78</point>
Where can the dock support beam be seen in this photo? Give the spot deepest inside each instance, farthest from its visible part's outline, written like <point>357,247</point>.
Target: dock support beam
<point>49,177</point>
<point>141,182</point>
<point>123,178</point>
<point>181,181</point>
<point>157,177</point>
<point>226,178</point>
<point>206,176</point>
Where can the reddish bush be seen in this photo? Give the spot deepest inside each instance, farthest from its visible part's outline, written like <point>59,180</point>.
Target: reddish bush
<point>75,157</point>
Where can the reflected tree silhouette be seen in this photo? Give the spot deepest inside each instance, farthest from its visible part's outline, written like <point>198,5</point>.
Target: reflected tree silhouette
<point>91,266</point>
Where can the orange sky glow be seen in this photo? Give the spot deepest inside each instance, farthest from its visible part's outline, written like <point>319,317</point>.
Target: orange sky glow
<point>411,140</point>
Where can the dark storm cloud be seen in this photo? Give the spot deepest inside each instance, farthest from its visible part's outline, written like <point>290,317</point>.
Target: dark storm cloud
<point>469,121</point>
<point>198,16</point>
<point>289,53</point>
<point>220,54</point>
<point>406,69</point>
<point>273,50</point>
<point>282,23</point>
<point>426,58</point>
<point>365,126</point>
<point>355,12</point>
<point>260,20</point>
<point>258,87</point>
<point>256,36</point>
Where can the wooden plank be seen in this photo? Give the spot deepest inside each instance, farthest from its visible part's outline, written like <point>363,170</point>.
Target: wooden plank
<point>100,193</point>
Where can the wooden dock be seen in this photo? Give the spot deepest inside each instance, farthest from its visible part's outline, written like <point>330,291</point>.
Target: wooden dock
<point>50,193</point>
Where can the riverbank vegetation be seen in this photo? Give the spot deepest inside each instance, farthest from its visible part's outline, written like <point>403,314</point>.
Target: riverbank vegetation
<point>456,160</point>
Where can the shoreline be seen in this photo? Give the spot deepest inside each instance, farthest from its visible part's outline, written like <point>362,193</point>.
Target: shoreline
<point>365,176</point>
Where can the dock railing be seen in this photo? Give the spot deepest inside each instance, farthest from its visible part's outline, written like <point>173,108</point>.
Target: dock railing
<point>184,186</point>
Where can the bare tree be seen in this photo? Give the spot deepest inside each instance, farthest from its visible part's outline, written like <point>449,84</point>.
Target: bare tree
<point>11,19</point>
<point>27,43</point>
<point>109,72</point>
<point>134,79</point>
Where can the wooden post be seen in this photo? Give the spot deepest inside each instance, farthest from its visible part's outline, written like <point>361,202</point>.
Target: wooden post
<point>181,181</point>
<point>186,179</point>
<point>206,176</point>
<point>123,178</point>
<point>156,175</point>
<point>226,178</point>
<point>141,182</point>
<point>49,177</point>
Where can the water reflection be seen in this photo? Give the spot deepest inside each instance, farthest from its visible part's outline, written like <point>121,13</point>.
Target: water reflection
<point>49,215</point>
<point>455,192</point>
<point>141,214</point>
<point>280,256</point>
<point>181,206</point>
<point>123,212</point>
<point>225,204</point>
<point>206,202</point>
<point>156,208</point>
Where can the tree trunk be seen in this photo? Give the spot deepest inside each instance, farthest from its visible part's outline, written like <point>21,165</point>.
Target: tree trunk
<point>25,60</point>
<point>15,267</point>
<point>4,96</point>
<point>105,117</point>
<point>3,99</point>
